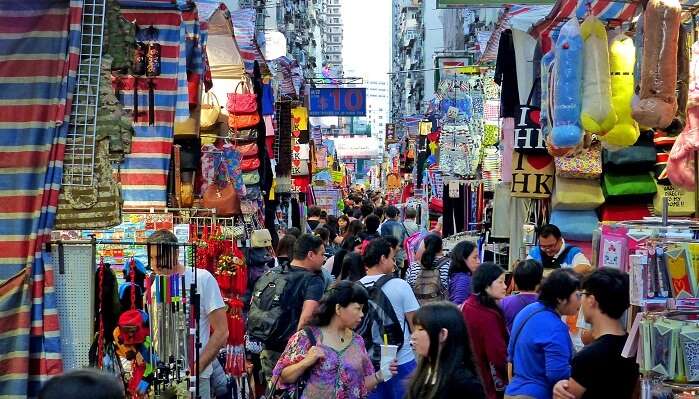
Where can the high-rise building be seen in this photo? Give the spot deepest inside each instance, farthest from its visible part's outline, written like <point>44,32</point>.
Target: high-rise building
<point>408,36</point>
<point>332,35</point>
<point>377,108</point>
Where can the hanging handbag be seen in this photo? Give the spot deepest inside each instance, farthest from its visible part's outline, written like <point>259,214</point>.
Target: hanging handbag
<point>623,188</point>
<point>210,110</point>
<point>251,178</point>
<point>186,128</point>
<point>575,225</point>
<point>528,136</point>
<point>253,192</point>
<point>244,134</point>
<point>237,122</point>
<point>577,194</point>
<point>244,102</point>
<point>250,164</point>
<point>586,164</point>
<point>221,195</point>
<point>640,157</point>
<point>247,150</point>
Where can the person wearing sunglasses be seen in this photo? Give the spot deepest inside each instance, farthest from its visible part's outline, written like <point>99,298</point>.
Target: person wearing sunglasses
<point>553,252</point>
<point>540,348</point>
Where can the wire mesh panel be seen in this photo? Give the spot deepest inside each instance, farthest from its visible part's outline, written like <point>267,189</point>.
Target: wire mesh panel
<point>80,144</point>
<point>74,284</point>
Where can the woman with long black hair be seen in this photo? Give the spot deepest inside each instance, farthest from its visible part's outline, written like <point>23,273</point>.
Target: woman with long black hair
<point>486,328</point>
<point>463,262</point>
<point>445,362</point>
<point>429,277</point>
<point>334,263</point>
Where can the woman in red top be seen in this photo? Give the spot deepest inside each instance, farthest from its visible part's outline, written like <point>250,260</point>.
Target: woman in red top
<point>486,328</point>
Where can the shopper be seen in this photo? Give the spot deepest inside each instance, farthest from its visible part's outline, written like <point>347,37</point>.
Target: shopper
<point>329,354</point>
<point>366,209</point>
<point>599,370</point>
<point>378,260</point>
<point>355,228</point>
<point>306,286</point>
<point>437,230</point>
<point>213,323</point>
<point>553,253</point>
<point>342,224</point>
<point>445,366</point>
<point>83,383</point>
<point>429,277</point>
<point>352,267</point>
<point>463,262</point>
<point>334,263</point>
<point>294,231</point>
<point>411,226</point>
<point>284,249</point>
<point>486,328</point>
<point>313,219</point>
<point>380,212</point>
<point>371,223</point>
<point>540,349</point>
<point>527,276</point>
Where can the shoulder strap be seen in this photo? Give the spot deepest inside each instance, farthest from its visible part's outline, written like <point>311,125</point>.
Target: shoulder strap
<point>521,327</point>
<point>383,280</point>
<point>310,335</point>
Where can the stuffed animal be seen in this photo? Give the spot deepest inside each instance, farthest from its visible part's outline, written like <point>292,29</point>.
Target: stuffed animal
<point>680,164</point>
<point>622,57</point>
<point>598,115</point>
<point>658,103</point>
<point>545,119</point>
<point>683,52</point>
<point>567,132</point>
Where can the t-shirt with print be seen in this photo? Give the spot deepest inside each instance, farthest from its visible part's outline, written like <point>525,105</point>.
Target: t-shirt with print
<point>603,372</point>
<point>210,299</point>
<point>403,301</point>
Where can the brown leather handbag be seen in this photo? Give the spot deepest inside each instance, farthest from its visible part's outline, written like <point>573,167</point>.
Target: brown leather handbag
<point>221,195</point>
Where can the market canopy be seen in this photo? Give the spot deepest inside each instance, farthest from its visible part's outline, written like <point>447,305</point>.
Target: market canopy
<point>513,17</point>
<point>244,26</point>
<point>222,51</point>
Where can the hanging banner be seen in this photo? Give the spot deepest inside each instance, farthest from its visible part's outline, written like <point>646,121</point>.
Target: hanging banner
<point>532,175</point>
<point>482,3</point>
<point>326,199</point>
<point>335,101</point>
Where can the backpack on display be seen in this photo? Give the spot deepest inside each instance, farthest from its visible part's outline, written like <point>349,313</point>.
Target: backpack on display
<point>275,309</point>
<point>428,286</point>
<point>379,319</point>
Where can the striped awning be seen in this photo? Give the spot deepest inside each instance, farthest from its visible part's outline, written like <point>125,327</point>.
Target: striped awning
<point>563,10</point>
<point>39,51</point>
<point>513,17</point>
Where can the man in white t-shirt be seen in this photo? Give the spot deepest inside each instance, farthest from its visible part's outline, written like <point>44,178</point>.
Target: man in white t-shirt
<point>378,257</point>
<point>212,310</point>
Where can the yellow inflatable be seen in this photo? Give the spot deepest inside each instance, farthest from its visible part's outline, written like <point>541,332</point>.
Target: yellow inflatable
<point>622,57</point>
<point>598,115</point>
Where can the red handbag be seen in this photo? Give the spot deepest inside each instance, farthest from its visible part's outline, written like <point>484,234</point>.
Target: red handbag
<point>247,150</point>
<point>242,103</point>
<point>237,122</point>
<point>248,165</point>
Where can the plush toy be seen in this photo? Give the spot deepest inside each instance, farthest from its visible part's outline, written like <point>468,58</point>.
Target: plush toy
<point>622,57</point>
<point>680,164</point>
<point>661,26</point>
<point>598,115</point>
<point>683,51</point>
<point>544,118</point>
<point>567,132</point>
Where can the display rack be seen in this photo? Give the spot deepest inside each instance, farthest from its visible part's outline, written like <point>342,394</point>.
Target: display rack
<point>79,162</point>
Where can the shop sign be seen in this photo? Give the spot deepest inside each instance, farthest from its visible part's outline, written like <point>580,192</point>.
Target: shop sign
<point>336,101</point>
<point>390,132</point>
<point>532,175</point>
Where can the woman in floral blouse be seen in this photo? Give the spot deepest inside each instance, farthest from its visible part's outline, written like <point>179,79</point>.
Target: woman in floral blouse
<point>337,366</point>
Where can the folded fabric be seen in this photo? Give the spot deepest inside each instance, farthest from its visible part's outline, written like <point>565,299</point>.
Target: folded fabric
<point>575,225</point>
<point>577,194</point>
<point>617,187</point>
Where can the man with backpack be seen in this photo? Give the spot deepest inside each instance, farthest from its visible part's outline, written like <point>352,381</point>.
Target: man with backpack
<point>285,299</point>
<point>392,306</point>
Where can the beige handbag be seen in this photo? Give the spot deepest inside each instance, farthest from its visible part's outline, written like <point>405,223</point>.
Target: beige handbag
<point>210,110</point>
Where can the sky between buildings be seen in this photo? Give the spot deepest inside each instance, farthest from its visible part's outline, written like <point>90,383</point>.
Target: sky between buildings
<point>367,37</point>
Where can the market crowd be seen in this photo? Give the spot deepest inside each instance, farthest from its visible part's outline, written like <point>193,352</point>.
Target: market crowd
<point>373,308</point>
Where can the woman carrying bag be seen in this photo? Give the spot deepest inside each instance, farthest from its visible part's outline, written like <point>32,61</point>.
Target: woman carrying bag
<point>328,359</point>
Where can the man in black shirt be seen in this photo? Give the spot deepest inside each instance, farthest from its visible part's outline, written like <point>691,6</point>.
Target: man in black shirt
<point>599,371</point>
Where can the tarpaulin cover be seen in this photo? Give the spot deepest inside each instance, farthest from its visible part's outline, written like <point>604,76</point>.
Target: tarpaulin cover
<point>244,26</point>
<point>513,17</point>
<point>39,46</point>
<point>144,172</point>
<point>563,10</point>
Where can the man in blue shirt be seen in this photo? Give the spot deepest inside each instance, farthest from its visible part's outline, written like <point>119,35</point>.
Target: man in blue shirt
<point>553,253</point>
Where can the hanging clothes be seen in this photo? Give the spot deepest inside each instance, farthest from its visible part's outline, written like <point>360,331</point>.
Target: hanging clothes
<point>506,76</point>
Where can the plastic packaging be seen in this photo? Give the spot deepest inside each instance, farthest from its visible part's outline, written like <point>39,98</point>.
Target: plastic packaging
<point>658,104</point>
<point>567,131</point>
<point>598,115</point>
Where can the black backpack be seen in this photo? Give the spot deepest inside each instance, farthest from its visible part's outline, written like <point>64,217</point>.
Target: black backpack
<point>379,319</point>
<point>275,308</point>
